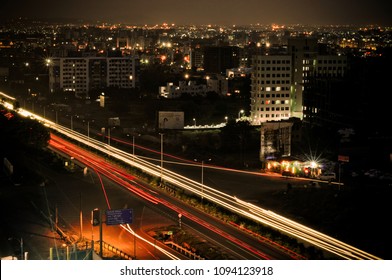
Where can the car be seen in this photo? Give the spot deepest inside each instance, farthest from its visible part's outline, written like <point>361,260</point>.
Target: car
<point>328,176</point>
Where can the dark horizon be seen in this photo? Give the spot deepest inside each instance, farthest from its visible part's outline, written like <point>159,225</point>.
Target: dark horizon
<point>218,12</point>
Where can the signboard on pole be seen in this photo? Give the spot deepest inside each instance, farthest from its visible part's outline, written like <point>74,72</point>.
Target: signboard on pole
<point>342,158</point>
<point>119,216</point>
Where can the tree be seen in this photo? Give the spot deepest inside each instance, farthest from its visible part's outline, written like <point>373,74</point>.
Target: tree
<point>235,135</point>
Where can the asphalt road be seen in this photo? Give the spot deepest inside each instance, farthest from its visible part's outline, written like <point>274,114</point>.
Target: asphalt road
<point>202,223</point>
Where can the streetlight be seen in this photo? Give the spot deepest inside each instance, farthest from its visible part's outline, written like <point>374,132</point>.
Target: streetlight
<point>161,157</point>
<point>194,122</point>
<point>226,118</point>
<point>133,144</point>
<point>202,176</point>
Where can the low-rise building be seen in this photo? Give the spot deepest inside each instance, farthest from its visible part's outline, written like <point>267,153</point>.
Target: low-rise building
<point>191,88</point>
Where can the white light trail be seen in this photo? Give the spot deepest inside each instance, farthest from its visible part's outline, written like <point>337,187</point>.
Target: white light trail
<point>229,202</point>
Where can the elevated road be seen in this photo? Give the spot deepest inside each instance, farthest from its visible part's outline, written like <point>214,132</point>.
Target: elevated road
<point>214,195</point>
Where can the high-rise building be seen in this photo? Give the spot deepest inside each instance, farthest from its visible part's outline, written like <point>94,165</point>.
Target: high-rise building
<point>219,58</point>
<point>279,81</point>
<point>303,51</point>
<point>196,57</point>
<point>326,95</point>
<point>271,88</point>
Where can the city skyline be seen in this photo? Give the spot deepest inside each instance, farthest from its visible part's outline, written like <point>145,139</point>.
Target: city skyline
<point>226,12</point>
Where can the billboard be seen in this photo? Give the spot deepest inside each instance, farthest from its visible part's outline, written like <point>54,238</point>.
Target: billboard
<point>171,120</point>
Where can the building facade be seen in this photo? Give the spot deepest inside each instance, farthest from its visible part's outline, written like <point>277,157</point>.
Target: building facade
<point>82,74</point>
<point>302,51</point>
<point>279,81</point>
<point>217,59</point>
<point>327,92</point>
<point>271,88</point>
<point>184,87</point>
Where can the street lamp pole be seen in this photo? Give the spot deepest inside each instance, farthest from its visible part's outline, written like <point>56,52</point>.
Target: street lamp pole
<point>202,178</point>
<point>133,145</point>
<point>21,249</point>
<point>81,217</point>
<point>161,157</point>
<point>202,175</point>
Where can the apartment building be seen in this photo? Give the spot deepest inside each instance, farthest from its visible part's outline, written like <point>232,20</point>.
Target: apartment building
<point>82,74</point>
<point>279,81</point>
<point>271,88</point>
<point>303,51</point>
<point>327,93</point>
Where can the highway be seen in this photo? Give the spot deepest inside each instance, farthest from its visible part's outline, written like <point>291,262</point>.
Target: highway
<point>222,199</point>
<point>251,248</point>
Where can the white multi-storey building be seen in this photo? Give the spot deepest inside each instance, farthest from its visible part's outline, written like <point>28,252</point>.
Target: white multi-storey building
<point>190,87</point>
<point>279,81</point>
<point>82,74</point>
<point>271,88</point>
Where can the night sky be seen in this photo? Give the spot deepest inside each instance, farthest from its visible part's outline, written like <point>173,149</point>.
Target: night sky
<point>205,11</point>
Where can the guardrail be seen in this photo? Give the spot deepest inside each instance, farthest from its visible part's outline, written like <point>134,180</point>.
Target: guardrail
<point>183,250</point>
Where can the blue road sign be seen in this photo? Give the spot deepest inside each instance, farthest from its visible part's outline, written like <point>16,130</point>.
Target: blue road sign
<point>119,216</point>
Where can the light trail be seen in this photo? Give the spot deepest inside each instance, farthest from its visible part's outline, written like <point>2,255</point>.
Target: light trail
<point>233,204</point>
<point>115,175</point>
<point>167,253</point>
